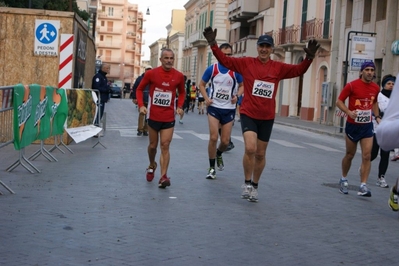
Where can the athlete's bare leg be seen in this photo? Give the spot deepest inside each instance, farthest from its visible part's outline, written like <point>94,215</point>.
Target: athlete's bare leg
<point>366,145</point>
<point>225,135</point>
<point>166,138</point>
<point>152,146</point>
<point>248,161</point>
<point>213,136</point>
<point>350,153</point>
<point>260,160</point>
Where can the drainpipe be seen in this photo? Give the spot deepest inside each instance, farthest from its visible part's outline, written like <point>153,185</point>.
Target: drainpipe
<point>334,58</point>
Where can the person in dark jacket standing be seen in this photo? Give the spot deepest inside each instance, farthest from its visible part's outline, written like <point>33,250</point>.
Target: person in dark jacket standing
<point>142,128</point>
<point>100,83</point>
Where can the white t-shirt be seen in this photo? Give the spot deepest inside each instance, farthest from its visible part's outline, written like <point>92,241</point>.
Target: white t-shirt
<point>388,130</point>
<point>382,105</point>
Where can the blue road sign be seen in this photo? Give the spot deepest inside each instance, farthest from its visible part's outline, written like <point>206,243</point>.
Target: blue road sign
<point>46,33</point>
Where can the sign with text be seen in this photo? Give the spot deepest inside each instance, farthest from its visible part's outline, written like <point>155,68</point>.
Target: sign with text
<point>46,37</point>
<point>363,48</point>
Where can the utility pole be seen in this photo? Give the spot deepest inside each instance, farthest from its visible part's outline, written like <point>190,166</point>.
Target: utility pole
<point>70,5</point>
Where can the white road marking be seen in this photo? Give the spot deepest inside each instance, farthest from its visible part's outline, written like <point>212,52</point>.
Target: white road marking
<point>286,143</point>
<point>132,133</point>
<point>201,136</point>
<point>175,136</point>
<point>240,138</point>
<point>322,147</point>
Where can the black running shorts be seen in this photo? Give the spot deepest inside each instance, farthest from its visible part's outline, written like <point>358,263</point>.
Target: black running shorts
<point>263,128</point>
<point>158,126</point>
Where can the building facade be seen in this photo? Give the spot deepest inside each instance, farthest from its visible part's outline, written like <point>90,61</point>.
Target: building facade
<point>200,14</point>
<point>119,31</point>
<point>175,36</point>
<point>333,23</point>
<point>155,50</point>
<point>291,24</point>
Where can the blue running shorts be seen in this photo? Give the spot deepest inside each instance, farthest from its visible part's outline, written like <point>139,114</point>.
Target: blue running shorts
<point>223,115</point>
<point>356,132</point>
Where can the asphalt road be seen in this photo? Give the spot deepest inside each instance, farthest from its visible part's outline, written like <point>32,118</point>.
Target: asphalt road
<point>94,207</point>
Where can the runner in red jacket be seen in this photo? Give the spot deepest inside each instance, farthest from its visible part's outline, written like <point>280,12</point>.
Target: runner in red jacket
<point>261,77</point>
<point>163,81</point>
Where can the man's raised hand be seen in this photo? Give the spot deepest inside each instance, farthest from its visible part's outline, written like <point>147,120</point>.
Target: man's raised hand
<point>210,35</point>
<point>311,50</point>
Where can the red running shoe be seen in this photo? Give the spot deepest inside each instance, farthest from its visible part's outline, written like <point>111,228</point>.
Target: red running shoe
<point>150,172</point>
<point>394,159</point>
<point>164,182</point>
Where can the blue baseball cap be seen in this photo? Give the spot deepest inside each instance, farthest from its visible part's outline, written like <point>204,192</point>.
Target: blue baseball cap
<point>266,39</point>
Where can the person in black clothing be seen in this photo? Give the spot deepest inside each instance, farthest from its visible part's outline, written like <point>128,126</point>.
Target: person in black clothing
<point>388,82</point>
<point>188,98</point>
<point>185,103</point>
<point>100,83</point>
<point>142,127</point>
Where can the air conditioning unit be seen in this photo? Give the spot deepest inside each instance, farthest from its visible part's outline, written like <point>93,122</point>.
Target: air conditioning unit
<point>327,93</point>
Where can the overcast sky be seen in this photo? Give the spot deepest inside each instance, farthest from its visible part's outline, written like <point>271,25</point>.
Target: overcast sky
<point>155,23</point>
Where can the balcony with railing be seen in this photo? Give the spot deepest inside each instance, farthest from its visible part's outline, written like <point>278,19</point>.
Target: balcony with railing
<point>130,48</point>
<point>245,46</point>
<point>288,35</point>
<point>131,20</point>
<point>113,16</point>
<point>242,10</point>
<point>133,7</point>
<point>318,29</point>
<point>113,2</point>
<point>130,34</point>
<point>109,30</point>
<point>197,39</point>
<point>109,45</point>
<point>111,59</point>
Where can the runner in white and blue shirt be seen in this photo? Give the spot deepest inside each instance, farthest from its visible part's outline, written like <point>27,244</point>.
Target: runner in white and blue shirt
<point>226,87</point>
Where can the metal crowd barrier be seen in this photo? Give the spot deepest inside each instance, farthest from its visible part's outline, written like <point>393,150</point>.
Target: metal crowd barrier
<point>6,122</point>
<point>102,121</point>
<point>7,136</point>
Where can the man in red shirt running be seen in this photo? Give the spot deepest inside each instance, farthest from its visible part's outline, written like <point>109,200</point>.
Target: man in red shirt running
<point>261,77</point>
<point>161,111</point>
<point>362,94</point>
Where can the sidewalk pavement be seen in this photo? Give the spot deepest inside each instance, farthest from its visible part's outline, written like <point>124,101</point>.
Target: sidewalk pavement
<point>312,126</point>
